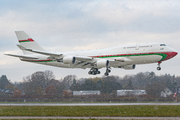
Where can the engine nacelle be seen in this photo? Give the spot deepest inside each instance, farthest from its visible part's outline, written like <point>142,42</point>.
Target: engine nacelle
<point>69,60</point>
<point>129,67</point>
<point>102,63</point>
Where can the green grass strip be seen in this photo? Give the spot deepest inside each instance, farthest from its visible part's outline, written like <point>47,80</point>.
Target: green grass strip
<point>123,111</point>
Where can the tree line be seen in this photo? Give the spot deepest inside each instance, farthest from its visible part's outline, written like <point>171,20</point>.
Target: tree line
<point>44,83</point>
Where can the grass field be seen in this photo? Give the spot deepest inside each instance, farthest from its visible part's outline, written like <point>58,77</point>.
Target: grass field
<point>130,111</point>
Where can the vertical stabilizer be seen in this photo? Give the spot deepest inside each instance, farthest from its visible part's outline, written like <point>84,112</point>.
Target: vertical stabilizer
<point>26,41</point>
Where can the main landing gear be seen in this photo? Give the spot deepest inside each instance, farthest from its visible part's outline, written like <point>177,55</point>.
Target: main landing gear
<point>107,72</point>
<point>94,71</point>
<point>159,67</point>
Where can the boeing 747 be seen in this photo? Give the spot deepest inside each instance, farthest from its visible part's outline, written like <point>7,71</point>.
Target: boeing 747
<point>126,57</point>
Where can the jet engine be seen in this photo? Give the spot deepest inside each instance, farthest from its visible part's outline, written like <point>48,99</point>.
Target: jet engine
<point>69,60</point>
<point>129,67</point>
<point>102,63</point>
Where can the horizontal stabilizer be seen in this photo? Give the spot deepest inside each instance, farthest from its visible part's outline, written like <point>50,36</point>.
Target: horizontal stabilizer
<point>21,47</point>
<point>23,56</point>
<point>40,52</point>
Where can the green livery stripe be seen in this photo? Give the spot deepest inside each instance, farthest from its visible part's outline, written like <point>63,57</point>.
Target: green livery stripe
<point>164,55</point>
<point>28,40</point>
<point>130,55</point>
<point>24,41</point>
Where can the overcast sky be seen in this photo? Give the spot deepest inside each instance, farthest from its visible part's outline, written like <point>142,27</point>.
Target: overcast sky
<point>68,25</point>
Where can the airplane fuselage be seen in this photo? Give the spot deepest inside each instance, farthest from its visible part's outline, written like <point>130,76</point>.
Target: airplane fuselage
<point>137,54</point>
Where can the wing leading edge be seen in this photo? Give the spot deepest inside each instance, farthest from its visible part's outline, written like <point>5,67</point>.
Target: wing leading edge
<point>23,56</point>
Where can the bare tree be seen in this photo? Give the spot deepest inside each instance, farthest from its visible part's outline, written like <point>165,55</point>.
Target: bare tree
<point>68,81</point>
<point>49,75</point>
<point>36,81</point>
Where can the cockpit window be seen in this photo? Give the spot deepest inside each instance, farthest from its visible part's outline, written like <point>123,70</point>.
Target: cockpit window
<point>162,44</point>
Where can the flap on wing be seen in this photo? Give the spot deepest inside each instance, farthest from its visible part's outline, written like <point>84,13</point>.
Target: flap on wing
<point>83,58</point>
<point>123,59</point>
<point>41,52</point>
<point>120,59</point>
<point>22,56</point>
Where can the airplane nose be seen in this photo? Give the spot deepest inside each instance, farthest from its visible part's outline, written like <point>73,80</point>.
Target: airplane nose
<point>174,53</point>
<point>171,55</point>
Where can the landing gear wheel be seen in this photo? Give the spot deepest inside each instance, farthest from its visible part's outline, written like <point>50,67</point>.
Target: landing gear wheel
<point>94,71</point>
<point>106,74</point>
<point>90,72</point>
<point>158,68</point>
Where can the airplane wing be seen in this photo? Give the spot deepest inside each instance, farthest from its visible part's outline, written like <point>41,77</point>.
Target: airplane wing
<point>23,56</point>
<point>55,55</point>
<point>85,62</point>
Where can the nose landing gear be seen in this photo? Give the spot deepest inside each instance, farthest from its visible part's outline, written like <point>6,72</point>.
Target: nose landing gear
<point>159,67</point>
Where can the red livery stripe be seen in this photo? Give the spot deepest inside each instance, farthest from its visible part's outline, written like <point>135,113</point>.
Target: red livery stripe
<point>165,55</point>
<point>28,40</point>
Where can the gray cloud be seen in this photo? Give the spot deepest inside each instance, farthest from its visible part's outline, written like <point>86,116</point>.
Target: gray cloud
<point>156,24</point>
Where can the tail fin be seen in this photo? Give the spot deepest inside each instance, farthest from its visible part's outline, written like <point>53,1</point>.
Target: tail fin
<point>26,41</point>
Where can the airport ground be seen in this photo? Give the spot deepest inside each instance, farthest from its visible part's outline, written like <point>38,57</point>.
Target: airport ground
<point>90,110</point>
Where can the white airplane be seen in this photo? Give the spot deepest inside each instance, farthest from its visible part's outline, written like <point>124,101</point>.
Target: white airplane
<point>126,57</point>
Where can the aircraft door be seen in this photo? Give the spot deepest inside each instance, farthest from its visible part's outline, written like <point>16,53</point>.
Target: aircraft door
<point>137,47</point>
